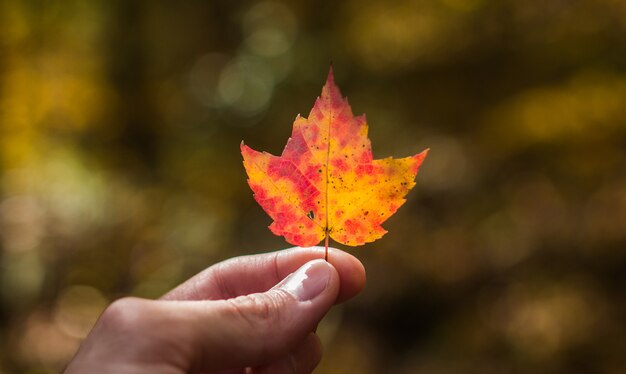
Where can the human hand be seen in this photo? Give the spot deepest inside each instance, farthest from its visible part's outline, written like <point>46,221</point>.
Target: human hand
<point>248,314</point>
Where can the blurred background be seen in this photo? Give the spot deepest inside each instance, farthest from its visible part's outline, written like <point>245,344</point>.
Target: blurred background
<point>120,171</point>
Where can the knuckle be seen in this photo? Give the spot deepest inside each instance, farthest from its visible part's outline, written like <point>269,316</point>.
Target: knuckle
<point>256,310</point>
<point>123,314</point>
<point>262,314</point>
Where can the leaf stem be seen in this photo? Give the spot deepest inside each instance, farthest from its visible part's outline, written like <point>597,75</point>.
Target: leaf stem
<point>326,247</point>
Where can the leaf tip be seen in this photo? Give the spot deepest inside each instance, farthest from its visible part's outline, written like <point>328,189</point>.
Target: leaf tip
<point>330,79</point>
<point>422,155</point>
<point>419,158</point>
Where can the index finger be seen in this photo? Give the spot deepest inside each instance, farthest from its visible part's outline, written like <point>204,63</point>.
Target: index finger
<point>258,273</point>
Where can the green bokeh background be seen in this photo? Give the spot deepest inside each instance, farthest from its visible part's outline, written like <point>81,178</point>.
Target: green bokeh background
<point>120,172</point>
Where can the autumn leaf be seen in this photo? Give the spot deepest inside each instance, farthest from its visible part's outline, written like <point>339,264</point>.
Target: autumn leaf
<point>326,182</point>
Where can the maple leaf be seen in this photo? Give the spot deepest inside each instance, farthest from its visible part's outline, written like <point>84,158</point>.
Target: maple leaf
<point>326,182</point>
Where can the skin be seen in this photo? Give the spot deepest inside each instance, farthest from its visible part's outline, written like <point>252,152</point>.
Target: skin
<point>250,314</point>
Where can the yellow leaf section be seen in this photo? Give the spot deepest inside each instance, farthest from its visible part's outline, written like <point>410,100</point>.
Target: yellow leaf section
<point>367,196</point>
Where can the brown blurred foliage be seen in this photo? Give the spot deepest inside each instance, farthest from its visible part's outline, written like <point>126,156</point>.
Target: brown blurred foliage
<point>120,172</point>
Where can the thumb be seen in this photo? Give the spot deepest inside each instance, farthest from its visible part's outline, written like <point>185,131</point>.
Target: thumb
<point>259,328</point>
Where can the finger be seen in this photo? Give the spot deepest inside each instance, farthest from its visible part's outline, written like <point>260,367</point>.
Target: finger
<point>258,273</point>
<point>303,359</point>
<point>258,329</point>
